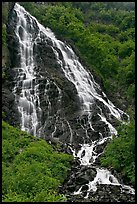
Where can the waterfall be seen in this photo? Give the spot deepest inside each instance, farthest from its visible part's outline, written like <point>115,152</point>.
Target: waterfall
<point>93,102</point>
<point>28,99</point>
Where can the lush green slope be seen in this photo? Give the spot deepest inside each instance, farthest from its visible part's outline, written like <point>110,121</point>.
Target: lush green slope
<point>31,169</point>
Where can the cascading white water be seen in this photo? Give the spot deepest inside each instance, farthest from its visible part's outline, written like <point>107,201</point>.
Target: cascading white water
<point>88,91</point>
<point>28,99</point>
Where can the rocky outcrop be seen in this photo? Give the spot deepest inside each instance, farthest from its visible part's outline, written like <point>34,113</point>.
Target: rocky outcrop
<point>80,177</point>
<point>58,96</point>
<point>9,107</point>
<point>105,193</point>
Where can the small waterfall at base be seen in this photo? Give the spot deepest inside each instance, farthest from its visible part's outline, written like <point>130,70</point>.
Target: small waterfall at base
<point>90,128</point>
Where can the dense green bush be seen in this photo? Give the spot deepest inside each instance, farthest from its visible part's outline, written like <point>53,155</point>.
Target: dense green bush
<point>120,153</point>
<point>4,35</point>
<point>32,170</point>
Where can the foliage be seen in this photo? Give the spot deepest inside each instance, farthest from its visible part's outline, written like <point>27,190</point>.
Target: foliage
<point>32,170</point>
<point>120,153</point>
<point>126,49</point>
<point>4,35</point>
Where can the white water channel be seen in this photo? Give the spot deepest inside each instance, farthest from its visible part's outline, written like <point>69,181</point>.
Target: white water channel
<point>87,89</point>
<point>28,99</point>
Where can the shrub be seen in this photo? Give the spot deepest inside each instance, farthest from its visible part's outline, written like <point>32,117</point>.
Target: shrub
<point>120,153</point>
<point>32,170</point>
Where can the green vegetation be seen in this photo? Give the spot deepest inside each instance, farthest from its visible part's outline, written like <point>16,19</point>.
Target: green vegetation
<point>31,169</point>
<point>4,35</point>
<point>120,153</point>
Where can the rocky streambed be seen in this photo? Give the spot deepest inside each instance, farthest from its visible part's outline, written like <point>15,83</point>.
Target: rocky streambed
<point>77,186</point>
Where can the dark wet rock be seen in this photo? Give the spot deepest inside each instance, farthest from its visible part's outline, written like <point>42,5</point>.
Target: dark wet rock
<point>71,188</point>
<point>9,107</point>
<point>91,173</point>
<point>100,148</point>
<point>84,188</point>
<point>124,117</point>
<point>81,179</point>
<point>104,193</point>
<point>110,193</point>
<point>117,175</point>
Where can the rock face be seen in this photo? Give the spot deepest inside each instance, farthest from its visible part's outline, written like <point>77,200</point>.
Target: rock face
<point>57,99</point>
<point>9,107</point>
<point>58,96</point>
